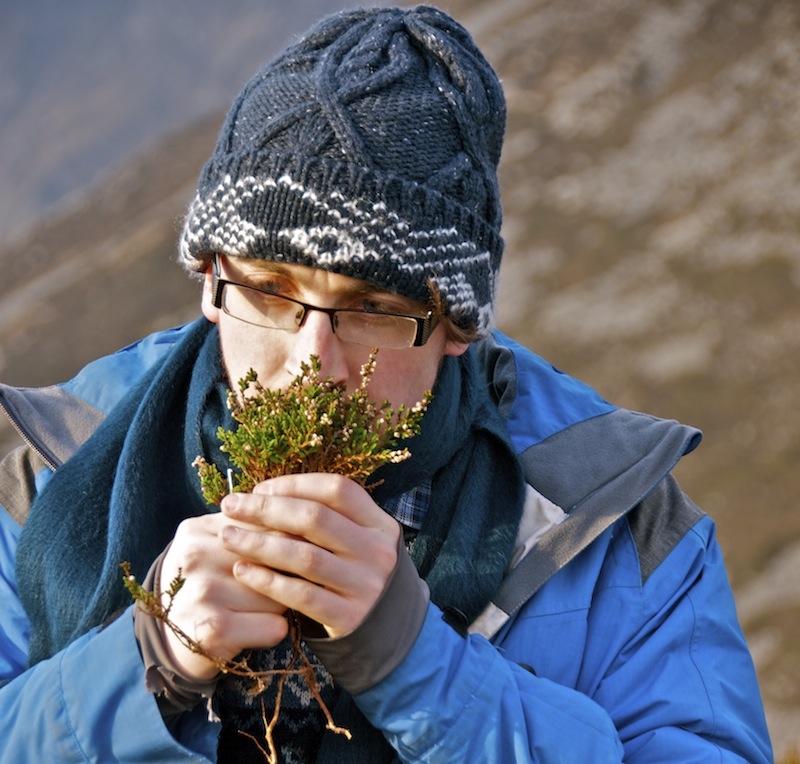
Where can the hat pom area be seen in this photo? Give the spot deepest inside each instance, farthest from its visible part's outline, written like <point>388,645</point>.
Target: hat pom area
<point>368,148</point>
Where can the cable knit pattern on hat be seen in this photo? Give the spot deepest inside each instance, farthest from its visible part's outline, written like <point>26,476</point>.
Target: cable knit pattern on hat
<point>369,148</point>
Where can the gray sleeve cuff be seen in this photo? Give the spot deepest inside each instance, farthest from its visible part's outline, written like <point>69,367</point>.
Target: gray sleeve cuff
<point>365,656</point>
<point>174,694</point>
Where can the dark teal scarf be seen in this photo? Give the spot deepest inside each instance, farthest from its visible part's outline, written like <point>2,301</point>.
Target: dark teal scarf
<point>124,492</point>
<point>120,497</point>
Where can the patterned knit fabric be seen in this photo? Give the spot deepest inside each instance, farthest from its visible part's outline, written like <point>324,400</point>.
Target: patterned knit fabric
<point>301,721</point>
<point>369,148</point>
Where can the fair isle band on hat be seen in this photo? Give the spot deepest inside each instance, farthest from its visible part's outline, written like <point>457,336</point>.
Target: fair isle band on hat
<point>360,238</point>
<point>369,149</point>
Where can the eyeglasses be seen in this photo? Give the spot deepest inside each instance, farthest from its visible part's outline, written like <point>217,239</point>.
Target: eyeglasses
<point>266,309</point>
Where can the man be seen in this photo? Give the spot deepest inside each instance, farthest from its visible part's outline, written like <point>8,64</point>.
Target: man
<point>531,585</point>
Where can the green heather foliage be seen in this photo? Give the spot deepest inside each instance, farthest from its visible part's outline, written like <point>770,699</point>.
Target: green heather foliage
<point>312,425</point>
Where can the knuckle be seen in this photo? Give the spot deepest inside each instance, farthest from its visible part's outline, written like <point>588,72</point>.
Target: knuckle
<point>313,515</point>
<point>353,615</point>
<point>385,558</point>
<point>213,623</point>
<point>371,594</point>
<point>310,558</point>
<point>340,489</point>
<point>204,589</point>
<point>188,552</point>
<point>305,597</point>
<point>185,530</point>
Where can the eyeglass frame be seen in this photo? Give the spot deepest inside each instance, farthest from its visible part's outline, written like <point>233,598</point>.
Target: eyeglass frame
<point>425,324</point>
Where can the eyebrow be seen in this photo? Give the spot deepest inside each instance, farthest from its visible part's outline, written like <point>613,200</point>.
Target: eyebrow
<point>261,275</point>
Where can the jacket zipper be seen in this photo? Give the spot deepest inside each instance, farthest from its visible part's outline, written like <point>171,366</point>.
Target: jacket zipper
<point>28,441</point>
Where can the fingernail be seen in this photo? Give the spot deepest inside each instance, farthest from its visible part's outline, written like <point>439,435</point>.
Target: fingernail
<point>230,534</point>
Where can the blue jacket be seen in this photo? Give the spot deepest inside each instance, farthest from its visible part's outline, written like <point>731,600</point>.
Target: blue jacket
<point>615,639</point>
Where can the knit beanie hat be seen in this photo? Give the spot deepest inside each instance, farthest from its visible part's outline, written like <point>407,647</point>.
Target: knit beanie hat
<point>369,148</point>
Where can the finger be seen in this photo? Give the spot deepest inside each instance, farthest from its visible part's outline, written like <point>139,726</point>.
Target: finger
<point>242,631</point>
<point>197,547</point>
<point>222,638</point>
<point>208,594</point>
<point>199,556</point>
<point>298,557</point>
<point>315,542</point>
<point>296,518</point>
<point>339,615</point>
<point>354,531</point>
<point>347,497</point>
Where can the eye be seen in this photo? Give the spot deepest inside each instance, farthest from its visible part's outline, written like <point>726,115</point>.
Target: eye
<point>378,306</point>
<point>386,302</point>
<point>269,292</point>
<point>272,286</point>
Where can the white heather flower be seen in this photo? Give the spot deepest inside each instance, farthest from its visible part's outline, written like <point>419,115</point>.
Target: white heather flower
<point>400,455</point>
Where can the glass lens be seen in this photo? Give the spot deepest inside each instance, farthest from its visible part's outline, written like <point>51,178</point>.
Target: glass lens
<point>375,329</point>
<point>358,327</point>
<point>261,308</point>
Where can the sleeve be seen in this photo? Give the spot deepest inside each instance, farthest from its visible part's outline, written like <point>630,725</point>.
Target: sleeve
<point>626,671</point>
<point>88,702</point>
<point>439,696</point>
<point>14,631</point>
<point>457,698</point>
<point>679,680</point>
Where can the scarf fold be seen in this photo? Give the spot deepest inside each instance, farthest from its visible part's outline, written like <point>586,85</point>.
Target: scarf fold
<point>467,536</point>
<point>119,498</point>
<point>122,495</point>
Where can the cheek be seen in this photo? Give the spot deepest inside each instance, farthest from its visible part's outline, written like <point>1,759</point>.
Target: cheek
<point>401,379</point>
<point>244,349</point>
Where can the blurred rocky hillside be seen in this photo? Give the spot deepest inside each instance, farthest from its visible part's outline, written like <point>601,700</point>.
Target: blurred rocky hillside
<point>651,179</point>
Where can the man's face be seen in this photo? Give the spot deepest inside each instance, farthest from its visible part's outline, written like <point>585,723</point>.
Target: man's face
<point>401,376</point>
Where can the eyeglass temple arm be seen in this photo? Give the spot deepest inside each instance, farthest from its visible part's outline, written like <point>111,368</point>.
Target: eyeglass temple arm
<point>216,283</point>
<point>425,328</point>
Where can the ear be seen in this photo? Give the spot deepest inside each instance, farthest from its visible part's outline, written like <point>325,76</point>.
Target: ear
<point>210,311</point>
<point>455,348</point>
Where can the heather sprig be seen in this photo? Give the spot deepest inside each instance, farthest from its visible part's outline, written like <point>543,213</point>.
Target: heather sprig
<point>312,425</point>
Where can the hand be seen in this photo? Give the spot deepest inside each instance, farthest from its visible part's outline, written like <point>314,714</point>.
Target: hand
<point>213,607</point>
<point>315,543</point>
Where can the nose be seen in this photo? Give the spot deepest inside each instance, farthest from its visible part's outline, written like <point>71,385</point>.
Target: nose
<point>315,337</point>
